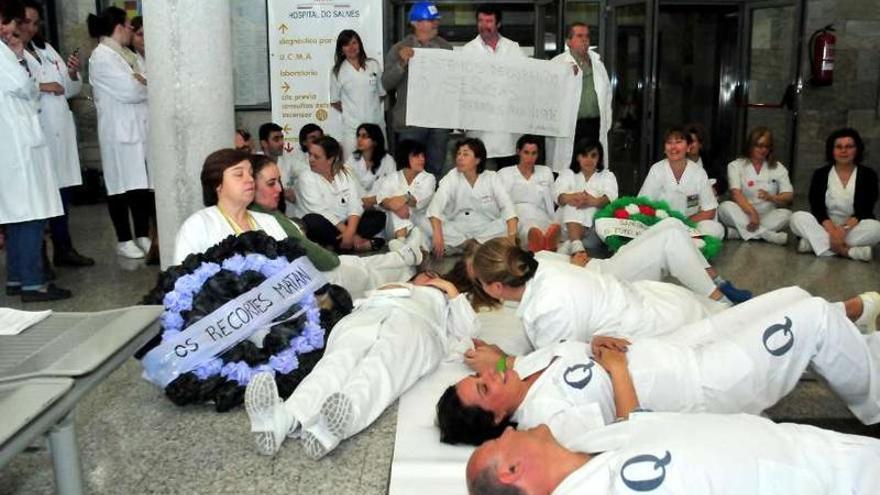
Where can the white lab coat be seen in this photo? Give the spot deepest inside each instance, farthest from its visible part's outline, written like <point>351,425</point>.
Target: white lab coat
<point>123,122</point>
<point>497,143</point>
<point>28,190</point>
<point>391,339</point>
<point>731,370</point>
<point>421,189</point>
<point>559,149</point>
<point>601,183</point>
<point>335,201</point>
<point>672,453</point>
<point>479,212</point>
<point>55,115</point>
<point>532,198</point>
<point>356,274</point>
<point>741,175</point>
<point>567,302</point>
<point>368,181</point>
<point>360,92</point>
<point>689,195</point>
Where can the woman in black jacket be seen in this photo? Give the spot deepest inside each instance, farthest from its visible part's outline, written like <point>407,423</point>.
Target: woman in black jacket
<point>842,198</point>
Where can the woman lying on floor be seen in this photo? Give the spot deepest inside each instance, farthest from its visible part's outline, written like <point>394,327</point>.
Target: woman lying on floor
<point>398,334</point>
<point>753,355</point>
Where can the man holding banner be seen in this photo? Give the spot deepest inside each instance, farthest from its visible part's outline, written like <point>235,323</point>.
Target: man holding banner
<point>500,146</point>
<point>424,18</point>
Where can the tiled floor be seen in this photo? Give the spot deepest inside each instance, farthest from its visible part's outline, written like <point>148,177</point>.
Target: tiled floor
<point>135,441</point>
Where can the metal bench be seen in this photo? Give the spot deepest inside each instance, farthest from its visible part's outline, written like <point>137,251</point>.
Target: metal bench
<point>47,369</point>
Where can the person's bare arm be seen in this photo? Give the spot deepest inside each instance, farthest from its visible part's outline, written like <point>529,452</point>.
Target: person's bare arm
<point>626,399</point>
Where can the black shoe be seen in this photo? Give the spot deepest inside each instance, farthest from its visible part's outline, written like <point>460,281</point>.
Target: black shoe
<point>52,293</point>
<point>71,258</point>
<point>13,290</point>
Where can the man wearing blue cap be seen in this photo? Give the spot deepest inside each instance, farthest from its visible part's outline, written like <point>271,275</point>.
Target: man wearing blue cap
<point>424,18</point>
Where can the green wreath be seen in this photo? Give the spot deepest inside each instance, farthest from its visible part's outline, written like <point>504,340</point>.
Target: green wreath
<point>647,215</point>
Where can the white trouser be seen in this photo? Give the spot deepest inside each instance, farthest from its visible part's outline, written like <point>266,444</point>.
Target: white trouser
<point>372,357</point>
<point>751,369</point>
<point>358,274</point>
<point>665,248</point>
<point>732,215</point>
<point>583,216</point>
<point>456,232</point>
<point>805,225</point>
<point>711,227</point>
<point>416,220</point>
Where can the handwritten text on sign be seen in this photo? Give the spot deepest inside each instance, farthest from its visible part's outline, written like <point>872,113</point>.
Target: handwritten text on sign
<point>454,90</point>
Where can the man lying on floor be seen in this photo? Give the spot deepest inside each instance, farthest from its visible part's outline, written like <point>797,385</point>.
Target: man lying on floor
<point>749,358</point>
<point>396,335</point>
<point>661,453</point>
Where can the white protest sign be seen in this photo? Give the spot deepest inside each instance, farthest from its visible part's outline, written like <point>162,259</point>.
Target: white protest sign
<point>302,42</point>
<point>455,90</point>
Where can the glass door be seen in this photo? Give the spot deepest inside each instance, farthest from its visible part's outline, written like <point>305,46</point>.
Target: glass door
<point>772,84</point>
<point>629,49</point>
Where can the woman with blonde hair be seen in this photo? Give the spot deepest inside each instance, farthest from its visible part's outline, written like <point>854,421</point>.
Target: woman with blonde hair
<point>559,301</point>
<point>760,189</point>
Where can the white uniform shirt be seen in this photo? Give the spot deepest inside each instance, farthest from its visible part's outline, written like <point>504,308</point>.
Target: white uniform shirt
<point>485,202</point>
<point>55,115</point>
<point>360,92</point>
<point>208,227</point>
<point>497,143</point>
<point>574,393</point>
<point>28,190</point>
<point>532,197</point>
<point>567,302</point>
<point>741,175</point>
<point>670,453</point>
<point>123,121</point>
<point>421,188</point>
<point>368,180</point>
<point>840,199</point>
<point>335,201</point>
<point>690,195</point>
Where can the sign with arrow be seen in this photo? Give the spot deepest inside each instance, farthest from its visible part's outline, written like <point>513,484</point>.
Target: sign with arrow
<point>302,41</point>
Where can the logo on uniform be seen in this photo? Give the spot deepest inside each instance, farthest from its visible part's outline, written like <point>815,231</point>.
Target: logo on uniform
<point>579,375</point>
<point>646,485</point>
<point>772,330</point>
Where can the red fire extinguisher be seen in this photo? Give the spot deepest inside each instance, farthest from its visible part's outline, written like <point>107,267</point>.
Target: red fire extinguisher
<point>822,56</point>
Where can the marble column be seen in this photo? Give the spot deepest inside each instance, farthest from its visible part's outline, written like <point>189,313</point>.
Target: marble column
<point>189,73</point>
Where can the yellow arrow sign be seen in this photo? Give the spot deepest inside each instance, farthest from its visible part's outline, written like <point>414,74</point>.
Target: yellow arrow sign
<point>285,86</point>
<point>286,128</point>
<point>283,28</point>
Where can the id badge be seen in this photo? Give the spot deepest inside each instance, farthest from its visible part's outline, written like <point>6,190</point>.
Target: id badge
<point>693,201</point>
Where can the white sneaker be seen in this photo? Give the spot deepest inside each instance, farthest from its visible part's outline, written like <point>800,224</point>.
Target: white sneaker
<point>577,246</point>
<point>269,422</point>
<point>778,238</point>
<point>861,253</point>
<point>412,255</point>
<point>804,245</point>
<point>867,322</point>
<point>129,249</point>
<point>732,233</point>
<point>564,248</point>
<point>144,243</point>
<point>334,423</point>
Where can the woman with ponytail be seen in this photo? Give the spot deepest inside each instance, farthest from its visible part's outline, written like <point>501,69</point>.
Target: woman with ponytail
<point>120,91</point>
<point>559,301</point>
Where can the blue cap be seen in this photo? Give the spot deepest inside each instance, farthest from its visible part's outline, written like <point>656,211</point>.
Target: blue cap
<point>424,11</point>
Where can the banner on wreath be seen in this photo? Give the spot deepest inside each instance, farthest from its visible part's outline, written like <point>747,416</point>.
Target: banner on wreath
<point>628,228</point>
